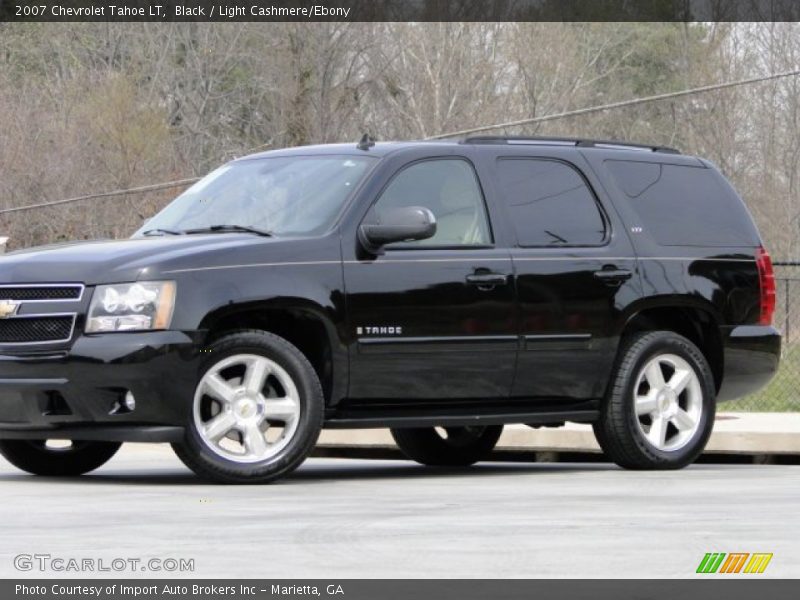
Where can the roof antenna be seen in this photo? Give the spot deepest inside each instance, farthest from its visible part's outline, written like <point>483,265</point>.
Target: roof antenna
<point>366,142</point>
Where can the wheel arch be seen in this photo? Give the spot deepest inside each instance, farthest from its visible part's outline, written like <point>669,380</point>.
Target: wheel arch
<point>698,321</point>
<point>303,323</point>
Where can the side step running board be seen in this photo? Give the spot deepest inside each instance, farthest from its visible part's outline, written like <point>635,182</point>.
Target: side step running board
<point>374,419</point>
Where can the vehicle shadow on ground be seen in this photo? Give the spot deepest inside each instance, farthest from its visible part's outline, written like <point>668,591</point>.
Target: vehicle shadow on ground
<point>404,470</point>
<point>320,471</point>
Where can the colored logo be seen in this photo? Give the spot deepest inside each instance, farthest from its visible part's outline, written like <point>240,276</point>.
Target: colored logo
<point>735,562</point>
<point>8,308</point>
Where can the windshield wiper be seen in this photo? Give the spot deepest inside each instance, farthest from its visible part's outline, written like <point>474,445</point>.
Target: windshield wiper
<point>162,232</point>
<point>230,229</point>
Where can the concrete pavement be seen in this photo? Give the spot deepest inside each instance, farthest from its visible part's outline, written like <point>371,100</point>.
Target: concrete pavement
<point>352,518</point>
<point>734,433</point>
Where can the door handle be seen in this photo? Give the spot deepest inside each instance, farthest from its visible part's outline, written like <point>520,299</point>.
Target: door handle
<point>613,276</point>
<point>486,281</point>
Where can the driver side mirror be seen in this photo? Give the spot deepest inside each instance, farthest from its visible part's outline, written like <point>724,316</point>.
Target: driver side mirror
<point>406,224</point>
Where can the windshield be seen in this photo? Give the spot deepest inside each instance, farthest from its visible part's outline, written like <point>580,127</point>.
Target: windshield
<point>297,195</point>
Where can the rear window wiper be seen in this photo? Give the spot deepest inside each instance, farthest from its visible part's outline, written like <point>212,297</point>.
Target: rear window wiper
<point>558,238</point>
<point>162,232</point>
<point>230,229</point>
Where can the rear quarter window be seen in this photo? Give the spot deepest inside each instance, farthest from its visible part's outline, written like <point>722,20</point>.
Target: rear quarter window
<point>682,205</point>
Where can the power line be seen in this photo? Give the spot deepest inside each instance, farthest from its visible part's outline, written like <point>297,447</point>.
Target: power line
<point>137,190</point>
<point>542,119</point>
<point>613,105</point>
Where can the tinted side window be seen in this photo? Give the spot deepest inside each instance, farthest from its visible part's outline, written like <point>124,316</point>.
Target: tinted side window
<point>549,203</point>
<point>684,205</point>
<point>449,188</point>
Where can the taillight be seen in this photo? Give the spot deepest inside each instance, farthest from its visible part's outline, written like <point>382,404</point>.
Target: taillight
<point>766,279</point>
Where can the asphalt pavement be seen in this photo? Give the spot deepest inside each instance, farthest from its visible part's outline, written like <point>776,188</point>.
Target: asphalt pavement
<point>337,518</point>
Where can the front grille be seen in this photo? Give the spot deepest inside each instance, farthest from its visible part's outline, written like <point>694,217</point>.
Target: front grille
<point>36,329</point>
<point>61,292</point>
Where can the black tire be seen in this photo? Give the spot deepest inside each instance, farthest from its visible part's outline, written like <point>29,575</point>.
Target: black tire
<point>461,447</point>
<point>618,430</point>
<point>196,455</point>
<point>34,456</point>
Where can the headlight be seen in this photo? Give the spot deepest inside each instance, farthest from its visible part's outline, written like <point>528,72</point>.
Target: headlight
<point>131,306</point>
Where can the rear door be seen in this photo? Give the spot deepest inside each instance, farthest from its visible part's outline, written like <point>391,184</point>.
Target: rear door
<point>574,267</point>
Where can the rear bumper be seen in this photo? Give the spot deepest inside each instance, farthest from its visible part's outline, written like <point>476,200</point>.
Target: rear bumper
<point>76,394</point>
<point>752,355</point>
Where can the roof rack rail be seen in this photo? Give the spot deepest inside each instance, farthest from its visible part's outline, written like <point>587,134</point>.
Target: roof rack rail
<point>566,141</point>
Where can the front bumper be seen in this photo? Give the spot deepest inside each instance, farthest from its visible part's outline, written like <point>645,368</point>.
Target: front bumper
<point>752,355</point>
<point>75,393</point>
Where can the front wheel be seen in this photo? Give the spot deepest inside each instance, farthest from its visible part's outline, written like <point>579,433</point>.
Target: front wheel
<point>659,411</point>
<point>65,460</point>
<point>447,446</point>
<point>257,410</point>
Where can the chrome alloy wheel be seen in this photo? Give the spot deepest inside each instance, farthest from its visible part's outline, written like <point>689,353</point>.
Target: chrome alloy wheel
<point>668,402</point>
<point>246,408</point>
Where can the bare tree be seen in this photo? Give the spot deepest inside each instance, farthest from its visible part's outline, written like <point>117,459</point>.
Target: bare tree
<point>96,106</point>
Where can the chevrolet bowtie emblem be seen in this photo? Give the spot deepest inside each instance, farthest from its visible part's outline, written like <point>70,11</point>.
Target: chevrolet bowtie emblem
<point>8,308</point>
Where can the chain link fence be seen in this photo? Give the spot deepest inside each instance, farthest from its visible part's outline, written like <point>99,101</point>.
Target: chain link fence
<point>783,392</point>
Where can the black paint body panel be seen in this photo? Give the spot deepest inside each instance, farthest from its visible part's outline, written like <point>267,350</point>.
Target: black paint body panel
<point>544,342</point>
<point>458,341</point>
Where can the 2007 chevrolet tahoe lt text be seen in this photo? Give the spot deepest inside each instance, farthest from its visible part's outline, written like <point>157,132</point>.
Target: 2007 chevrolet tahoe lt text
<point>441,289</point>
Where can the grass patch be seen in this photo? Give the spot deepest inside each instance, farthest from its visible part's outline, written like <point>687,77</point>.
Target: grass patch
<point>781,395</point>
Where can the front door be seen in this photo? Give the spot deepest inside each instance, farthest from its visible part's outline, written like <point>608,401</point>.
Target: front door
<point>434,319</point>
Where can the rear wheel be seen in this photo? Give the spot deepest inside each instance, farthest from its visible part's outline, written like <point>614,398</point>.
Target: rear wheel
<point>660,408</point>
<point>447,446</point>
<point>61,459</point>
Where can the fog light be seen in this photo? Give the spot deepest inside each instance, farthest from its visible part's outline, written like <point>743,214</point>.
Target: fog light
<point>129,402</point>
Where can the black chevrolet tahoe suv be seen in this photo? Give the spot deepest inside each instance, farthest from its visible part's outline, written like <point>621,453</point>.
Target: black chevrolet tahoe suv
<point>440,289</point>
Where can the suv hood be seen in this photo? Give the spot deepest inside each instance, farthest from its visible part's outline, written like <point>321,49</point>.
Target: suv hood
<point>116,261</point>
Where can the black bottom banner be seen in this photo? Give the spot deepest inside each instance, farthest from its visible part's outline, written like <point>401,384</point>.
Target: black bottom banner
<point>377,589</point>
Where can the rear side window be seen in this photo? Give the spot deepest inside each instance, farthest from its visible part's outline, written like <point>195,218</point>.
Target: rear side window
<point>681,205</point>
<point>549,203</point>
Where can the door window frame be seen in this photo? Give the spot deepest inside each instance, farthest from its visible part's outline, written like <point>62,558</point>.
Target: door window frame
<point>607,225</point>
<point>403,247</point>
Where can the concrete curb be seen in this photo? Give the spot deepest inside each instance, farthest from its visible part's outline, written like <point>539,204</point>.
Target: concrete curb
<point>753,434</point>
